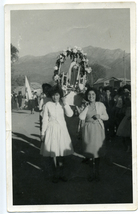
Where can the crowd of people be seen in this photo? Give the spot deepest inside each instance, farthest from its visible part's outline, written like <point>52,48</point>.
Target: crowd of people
<point>18,103</point>
<point>118,106</point>
<point>16,100</point>
<point>103,114</point>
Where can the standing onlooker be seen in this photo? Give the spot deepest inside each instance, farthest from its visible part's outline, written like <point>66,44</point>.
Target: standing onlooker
<point>19,97</point>
<point>101,94</point>
<point>36,100</point>
<point>93,129</point>
<point>124,129</point>
<point>12,100</point>
<point>118,110</point>
<point>16,101</point>
<point>56,142</point>
<point>109,104</point>
<point>32,102</point>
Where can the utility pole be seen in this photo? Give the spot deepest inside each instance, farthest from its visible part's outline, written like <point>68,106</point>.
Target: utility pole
<point>124,70</point>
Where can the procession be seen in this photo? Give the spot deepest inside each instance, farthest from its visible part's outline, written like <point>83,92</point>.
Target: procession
<point>71,136</point>
<point>79,132</point>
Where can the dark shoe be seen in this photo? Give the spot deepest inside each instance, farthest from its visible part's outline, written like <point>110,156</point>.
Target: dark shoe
<point>97,177</point>
<point>55,179</point>
<point>91,178</point>
<point>64,178</point>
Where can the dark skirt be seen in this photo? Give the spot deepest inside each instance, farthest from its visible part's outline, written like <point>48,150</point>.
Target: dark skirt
<point>32,104</point>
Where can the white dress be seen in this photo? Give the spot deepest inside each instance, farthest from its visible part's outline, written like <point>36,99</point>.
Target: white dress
<point>57,141</point>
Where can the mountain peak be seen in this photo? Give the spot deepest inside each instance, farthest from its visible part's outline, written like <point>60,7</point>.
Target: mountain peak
<point>40,68</point>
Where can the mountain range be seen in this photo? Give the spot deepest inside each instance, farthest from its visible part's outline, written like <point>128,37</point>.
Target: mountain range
<point>40,69</point>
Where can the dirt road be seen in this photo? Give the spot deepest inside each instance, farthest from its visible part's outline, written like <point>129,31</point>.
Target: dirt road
<point>32,184</point>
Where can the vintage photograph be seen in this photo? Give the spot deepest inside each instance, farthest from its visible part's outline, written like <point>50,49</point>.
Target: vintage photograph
<point>70,81</point>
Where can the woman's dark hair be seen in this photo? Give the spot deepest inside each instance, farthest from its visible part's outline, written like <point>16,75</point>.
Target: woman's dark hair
<point>91,89</point>
<point>120,91</point>
<point>56,89</point>
<point>46,87</point>
<point>107,88</point>
<point>101,87</point>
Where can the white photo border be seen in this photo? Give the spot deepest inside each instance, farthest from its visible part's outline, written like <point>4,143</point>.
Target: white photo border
<point>48,208</point>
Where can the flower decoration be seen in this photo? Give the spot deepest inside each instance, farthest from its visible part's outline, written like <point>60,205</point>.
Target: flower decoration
<point>84,60</point>
<point>62,60</point>
<point>72,53</point>
<point>64,87</point>
<point>74,50</point>
<point>88,70</point>
<point>85,54</point>
<point>68,49</point>
<point>55,68</point>
<point>79,49</point>
<point>65,53</point>
<point>56,77</point>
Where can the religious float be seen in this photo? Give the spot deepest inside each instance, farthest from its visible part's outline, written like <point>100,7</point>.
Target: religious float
<point>74,80</point>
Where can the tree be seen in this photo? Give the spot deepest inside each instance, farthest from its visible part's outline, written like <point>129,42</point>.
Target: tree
<point>14,57</point>
<point>98,71</point>
<point>14,54</point>
<point>17,80</point>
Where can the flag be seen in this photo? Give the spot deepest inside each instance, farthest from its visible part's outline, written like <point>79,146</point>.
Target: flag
<point>28,91</point>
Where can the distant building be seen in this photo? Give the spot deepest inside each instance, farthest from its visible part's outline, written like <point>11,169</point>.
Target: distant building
<point>112,82</point>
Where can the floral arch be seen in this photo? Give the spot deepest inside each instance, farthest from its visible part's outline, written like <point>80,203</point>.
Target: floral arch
<point>75,77</point>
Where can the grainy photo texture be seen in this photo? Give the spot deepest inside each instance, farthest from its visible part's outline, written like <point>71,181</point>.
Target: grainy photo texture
<point>70,83</point>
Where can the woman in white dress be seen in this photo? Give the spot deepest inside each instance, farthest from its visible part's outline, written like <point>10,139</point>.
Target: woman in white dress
<point>93,134</point>
<point>56,141</point>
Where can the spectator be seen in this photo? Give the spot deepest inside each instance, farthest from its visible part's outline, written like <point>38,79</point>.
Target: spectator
<point>118,110</point>
<point>36,100</point>
<point>124,129</point>
<point>101,95</point>
<point>109,103</point>
<point>19,97</point>
<point>32,102</point>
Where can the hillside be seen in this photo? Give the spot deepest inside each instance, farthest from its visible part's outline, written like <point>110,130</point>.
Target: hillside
<point>40,68</point>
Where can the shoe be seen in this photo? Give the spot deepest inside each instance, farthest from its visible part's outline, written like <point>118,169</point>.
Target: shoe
<point>55,179</point>
<point>64,178</point>
<point>91,178</point>
<point>97,177</point>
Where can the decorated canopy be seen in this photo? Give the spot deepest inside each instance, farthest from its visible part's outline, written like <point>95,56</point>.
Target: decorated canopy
<point>75,78</point>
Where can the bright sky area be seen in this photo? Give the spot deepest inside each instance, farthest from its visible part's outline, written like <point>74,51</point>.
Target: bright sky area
<point>39,32</point>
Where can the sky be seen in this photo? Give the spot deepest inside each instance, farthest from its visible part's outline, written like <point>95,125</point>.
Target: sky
<point>39,32</point>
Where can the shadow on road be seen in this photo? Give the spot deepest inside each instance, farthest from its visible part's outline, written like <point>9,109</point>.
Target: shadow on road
<point>36,135</point>
<point>20,112</point>
<point>32,174</point>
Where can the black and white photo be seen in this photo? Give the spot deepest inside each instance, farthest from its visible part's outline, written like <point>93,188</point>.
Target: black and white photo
<point>70,107</point>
